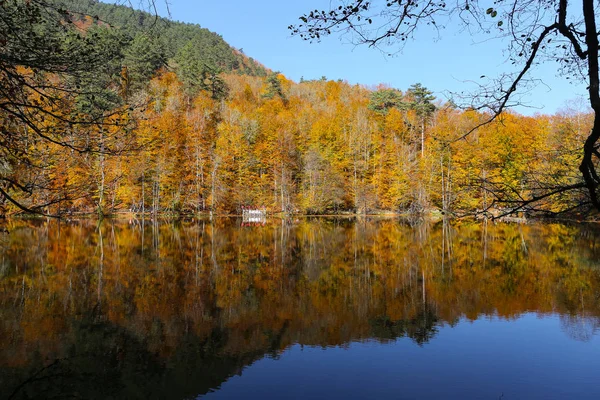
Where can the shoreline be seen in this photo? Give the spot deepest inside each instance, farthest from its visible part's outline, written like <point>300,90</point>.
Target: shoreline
<point>432,216</point>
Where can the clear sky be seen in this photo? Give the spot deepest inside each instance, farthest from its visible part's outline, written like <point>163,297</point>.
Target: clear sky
<point>260,28</point>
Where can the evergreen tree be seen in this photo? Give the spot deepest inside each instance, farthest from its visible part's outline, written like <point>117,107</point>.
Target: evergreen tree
<point>420,100</point>
<point>189,69</point>
<point>382,100</point>
<point>274,87</point>
<point>214,84</point>
<point>143,58</point>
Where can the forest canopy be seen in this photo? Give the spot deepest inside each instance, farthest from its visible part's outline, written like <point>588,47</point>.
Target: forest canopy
<point>106,109</point>
<point>561,31</point>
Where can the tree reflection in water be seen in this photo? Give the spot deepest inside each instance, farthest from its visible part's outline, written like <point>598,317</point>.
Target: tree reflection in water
<point>173,309</point>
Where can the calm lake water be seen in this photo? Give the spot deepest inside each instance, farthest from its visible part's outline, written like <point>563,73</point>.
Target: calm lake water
<point>309,308</point>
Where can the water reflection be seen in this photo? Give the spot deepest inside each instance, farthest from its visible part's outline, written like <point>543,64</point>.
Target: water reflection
<point>135,309</point>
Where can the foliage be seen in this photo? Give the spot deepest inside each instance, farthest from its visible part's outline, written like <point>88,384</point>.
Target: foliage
<point>382,100</point>
<point>57,93</point>
<point>534,32</point>
<point>273,87</point>
<point>319,149</point>
<point>162,38</point>
<point>420,100</point>
<point>99,125</point>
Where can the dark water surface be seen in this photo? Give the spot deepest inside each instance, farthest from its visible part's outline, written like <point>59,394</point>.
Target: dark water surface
<point>310,308</point>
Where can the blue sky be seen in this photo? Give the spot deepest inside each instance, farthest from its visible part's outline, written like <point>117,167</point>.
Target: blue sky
<point>260,29</point>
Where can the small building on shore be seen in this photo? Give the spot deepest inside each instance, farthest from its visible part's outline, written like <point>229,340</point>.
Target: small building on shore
<point>251,214</point>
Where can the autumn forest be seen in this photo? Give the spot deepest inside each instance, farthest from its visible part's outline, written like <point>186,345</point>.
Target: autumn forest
<point>178,220</point>
<point>178,122</point>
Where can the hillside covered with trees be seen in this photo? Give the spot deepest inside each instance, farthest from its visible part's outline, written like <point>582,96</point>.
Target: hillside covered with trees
<point>146,37</point>
<point>168,118</point>
<point>320,147</point>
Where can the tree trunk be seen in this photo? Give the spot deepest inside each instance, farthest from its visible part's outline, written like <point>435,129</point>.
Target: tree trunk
<point>587,167</point>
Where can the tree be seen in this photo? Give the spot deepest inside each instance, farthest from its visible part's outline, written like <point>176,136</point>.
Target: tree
<point>189,69</point>
<point>196,75</point>
<point>143,58</point>
<point>51,104</point>
<point>420,101</point>
<point>385,99</point>
<point>214,84</point>
<point>536,31</point>
<point>64,82</point>
<point>273,87</point>
<point>322,186</point>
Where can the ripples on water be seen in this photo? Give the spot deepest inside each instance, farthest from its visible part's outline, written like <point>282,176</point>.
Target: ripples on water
<point>310,308</point>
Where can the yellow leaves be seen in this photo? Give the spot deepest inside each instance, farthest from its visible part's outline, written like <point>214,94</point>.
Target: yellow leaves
<point>332,91</point>
<point>253,148</point>
<point>395,124</point>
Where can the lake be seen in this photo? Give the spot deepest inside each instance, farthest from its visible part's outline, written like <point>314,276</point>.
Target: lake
<point>300,308</point>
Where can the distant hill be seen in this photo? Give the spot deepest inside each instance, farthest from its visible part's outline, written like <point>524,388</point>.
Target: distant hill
<point>169,38</point>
